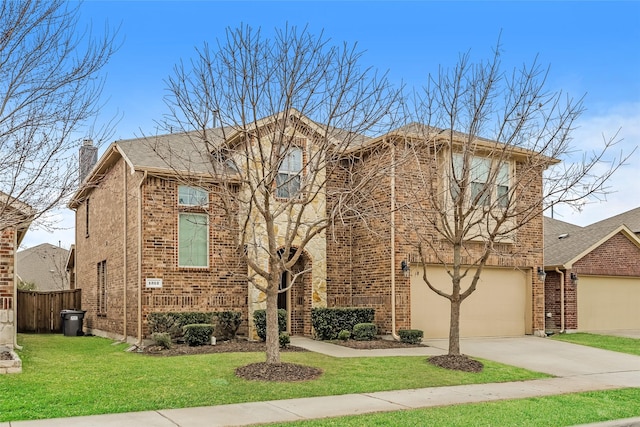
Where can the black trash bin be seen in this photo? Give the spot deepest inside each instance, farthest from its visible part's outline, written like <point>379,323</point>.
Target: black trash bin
<point>72,322</point>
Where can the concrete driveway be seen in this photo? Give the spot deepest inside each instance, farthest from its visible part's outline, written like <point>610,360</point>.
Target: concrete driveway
<point>556,358</point>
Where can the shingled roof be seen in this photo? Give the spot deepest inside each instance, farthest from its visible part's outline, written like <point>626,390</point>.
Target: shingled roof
<point>565,243</point>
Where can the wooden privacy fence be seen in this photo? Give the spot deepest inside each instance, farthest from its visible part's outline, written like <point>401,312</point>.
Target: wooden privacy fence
<point>40,311</point>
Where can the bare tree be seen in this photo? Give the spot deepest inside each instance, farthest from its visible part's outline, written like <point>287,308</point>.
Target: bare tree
<point>282,117</point>
<point>50,93</point>
<point>474,164</point>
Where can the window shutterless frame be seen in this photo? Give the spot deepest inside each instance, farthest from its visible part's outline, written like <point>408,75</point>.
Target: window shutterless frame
<point>193,240</point>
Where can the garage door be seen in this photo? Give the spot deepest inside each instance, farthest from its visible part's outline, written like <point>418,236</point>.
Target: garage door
<point>498,307</point>
<point>608,303</point>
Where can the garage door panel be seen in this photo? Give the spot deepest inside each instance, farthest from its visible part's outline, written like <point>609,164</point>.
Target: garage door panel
<point>496,308</point>
<point>608,303</point>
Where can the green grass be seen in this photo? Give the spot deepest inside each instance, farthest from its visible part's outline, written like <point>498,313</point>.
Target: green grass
<point>563,410</point>
<point>71,376</point>
<point>606,342</point>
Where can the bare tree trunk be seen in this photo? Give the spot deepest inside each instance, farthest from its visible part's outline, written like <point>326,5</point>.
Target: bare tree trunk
<point>454,328</point>
<point>273,333</point>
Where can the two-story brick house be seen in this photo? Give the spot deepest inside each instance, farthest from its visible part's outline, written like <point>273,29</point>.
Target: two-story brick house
<point>134,210</point>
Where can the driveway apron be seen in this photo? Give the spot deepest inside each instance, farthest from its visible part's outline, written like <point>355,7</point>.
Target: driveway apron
<point>546,355</point>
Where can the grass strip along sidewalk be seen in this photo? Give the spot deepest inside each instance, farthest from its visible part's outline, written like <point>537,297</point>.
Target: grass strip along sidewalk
<point>557,411</point>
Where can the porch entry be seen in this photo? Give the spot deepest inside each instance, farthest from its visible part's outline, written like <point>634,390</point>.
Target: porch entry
<point>296,299</point>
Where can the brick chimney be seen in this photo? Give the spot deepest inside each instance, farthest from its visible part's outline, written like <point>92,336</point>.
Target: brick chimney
<point>88,158</point>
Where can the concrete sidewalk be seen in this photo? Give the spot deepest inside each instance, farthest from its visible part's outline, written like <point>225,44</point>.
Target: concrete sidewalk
<point>593,370</point>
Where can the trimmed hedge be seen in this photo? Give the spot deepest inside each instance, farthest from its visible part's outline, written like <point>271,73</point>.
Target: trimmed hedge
<point>411,336</point>
<point>328,322</point>
<point>198,334</point>
<point>173,323</point>
<point>344,335</point>
<point>364,331</point>
<point>228,324</point>
<point>260,322</point>
<point>284,339</point>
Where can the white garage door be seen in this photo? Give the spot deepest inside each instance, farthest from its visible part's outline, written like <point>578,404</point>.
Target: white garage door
<point>608,303</point>
<point>498,307</point>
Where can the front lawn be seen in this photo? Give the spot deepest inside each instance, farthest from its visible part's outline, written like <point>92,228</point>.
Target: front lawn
<point>606,342</point>
<point>72,376</point>
<point>562,410</point>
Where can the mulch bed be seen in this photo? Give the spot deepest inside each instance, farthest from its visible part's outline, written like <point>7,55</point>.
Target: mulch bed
<point>457,363</point>
<point>232,346</point>
<point>288,372</point>
<point>285,372</point>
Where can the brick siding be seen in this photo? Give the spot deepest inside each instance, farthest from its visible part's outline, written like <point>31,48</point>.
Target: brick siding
<point>616,257</point>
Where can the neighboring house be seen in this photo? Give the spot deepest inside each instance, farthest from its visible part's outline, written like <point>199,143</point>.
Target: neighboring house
<point>593,274</point>
<point>131,259</point>
<point>16,218</point>
<point>44,266</point>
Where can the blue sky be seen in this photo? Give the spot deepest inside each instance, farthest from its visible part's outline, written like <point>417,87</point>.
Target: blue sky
<point>593,49</point>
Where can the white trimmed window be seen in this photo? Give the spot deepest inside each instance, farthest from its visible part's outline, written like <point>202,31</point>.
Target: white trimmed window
<point>193,240</point>
<point>192,196</point>
<point>502,185</point>
<point>289,175</point>
<point>479,175</point>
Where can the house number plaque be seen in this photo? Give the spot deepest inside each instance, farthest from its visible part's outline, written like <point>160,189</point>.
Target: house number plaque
<point>153,283</point>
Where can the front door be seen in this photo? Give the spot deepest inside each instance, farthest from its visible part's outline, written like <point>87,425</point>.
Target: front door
<point>284,298</point>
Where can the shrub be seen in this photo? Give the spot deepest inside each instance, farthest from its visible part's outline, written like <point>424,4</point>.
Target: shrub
<point>162,339</point>
<point>284,340</point>
<point>344,335</point>
<point>198,334</point>
<point>364,331</point>
<point>411,336</point>
<point>173,323</point>
<point>260,321</point>
<point>228,324</point>
<point>161,323</point>
<point>328,322</point>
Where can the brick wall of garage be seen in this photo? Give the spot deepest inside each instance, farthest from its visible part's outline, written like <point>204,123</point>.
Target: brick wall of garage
<point>370,252</point>
<point>617,257</point>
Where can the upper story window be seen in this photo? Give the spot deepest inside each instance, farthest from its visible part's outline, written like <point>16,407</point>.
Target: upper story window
<point>192,196</point>
<point>193,240</point>
<point>289,176</point>
<point>485,185</point>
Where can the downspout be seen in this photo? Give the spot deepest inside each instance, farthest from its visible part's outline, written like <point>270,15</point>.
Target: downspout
<point>124,255</point>
<point>561,299</point>
<point>393,243</point>
<point>144,177</point>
